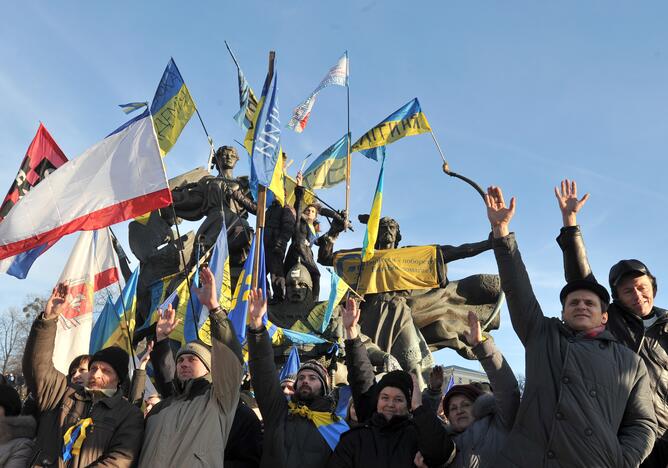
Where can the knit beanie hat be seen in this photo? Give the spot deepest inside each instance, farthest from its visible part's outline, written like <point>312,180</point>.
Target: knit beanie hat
<point>117,358</point>
<point>398,379</point>
<point>470,391</point>
<point>10,401</point>
<point>199,349</point>
<point>320,370</point>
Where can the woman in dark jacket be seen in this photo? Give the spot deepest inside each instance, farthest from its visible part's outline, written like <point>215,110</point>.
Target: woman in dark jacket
<point>394,436</point>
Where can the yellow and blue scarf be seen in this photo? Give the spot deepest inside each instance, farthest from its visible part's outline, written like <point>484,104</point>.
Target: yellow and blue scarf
<point>329,425</point>
<point>74,438</point>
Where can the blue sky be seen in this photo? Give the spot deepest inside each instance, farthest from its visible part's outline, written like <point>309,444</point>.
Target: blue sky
<point>520,94</point>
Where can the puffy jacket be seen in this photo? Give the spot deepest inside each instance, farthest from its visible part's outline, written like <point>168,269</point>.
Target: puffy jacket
<point>16,444</point>
<point>651,344</point>
<point>289,440</point>
<point>188,432</point>
<point>114,439</point>
<point>244,444</point>
<point>494,414</point>
<point>587,400</point>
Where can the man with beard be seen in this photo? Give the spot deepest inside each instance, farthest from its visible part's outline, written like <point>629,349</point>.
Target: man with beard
<point>292,437</point>
<point>80,425</point>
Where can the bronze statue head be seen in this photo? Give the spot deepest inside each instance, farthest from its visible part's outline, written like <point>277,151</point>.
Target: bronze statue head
<point>226,157</point>
<point>389,234</point>
<point>298,284</point>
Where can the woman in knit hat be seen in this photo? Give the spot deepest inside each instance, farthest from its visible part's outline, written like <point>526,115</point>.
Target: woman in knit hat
<point>400,432</point>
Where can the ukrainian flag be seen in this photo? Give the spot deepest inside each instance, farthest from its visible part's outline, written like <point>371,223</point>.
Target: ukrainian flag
<point>329,168</point>
<point>239,307</point>
<point>406,121</point>
<point>111,327</point>
<point>371,234</point>
<point>171,108</point>
<point>266,167</point>
<point>292,364</point>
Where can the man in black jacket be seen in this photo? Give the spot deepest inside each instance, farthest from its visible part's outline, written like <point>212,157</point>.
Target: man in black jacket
<point>633,318</point>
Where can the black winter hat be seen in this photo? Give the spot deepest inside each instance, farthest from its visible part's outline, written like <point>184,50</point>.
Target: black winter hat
<point>398,379</point>
<point>589,285</point>
<point>117,358</point>
<point>10,400</point>
<point>628,267</point>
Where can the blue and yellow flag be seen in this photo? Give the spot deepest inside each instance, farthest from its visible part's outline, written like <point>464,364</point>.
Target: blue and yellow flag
<point>371,234</point>
<point>239,308</point>
<point>329,168</point>
<point>330,425</point>
<point>338,289</point>
<point>171,108</point>
<point>407,121</point>
<point>292,364</point>
<point>247,101</point>
<point>266,164</point>
<point>111,327</point>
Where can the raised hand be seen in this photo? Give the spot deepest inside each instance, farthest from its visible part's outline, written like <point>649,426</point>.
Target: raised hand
<point>474,335</point>
<point>257,308</point>
<point>436,378</point>
<point>208,293</point>
<point>350,317</point>
<point>568,201</point>
<point>60,296</point>
<point>146,356</point>
<point>419,460</point>
<point>498,213</point>
<point>416,401</point>
<point>299,178</point>
<point>167,323</point>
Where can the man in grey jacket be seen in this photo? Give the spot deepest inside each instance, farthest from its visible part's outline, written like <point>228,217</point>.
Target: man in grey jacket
<point>587,400</point>
<point>189,432</point>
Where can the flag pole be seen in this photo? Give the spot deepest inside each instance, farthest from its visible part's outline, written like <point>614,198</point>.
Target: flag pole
<point>348,158</point>
<point>261,201</point>
<point>127,325</point>
<point>446,169</point>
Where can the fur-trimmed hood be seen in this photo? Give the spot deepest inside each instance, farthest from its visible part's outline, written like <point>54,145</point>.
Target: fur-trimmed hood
<point>16,427</point>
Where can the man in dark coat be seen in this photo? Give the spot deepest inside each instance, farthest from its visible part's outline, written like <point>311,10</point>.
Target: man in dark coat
<point>633,318</point>
<point>97,414</point>
<point>291,436</point>
<point>587,400</point>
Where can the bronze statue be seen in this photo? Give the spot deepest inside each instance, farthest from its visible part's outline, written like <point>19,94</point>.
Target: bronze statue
<point>410,324</point>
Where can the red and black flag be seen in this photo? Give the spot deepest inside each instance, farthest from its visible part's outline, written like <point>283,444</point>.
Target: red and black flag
<point>43,157</point>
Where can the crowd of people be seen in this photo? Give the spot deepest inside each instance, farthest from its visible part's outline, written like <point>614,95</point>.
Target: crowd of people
<point>595,391</point>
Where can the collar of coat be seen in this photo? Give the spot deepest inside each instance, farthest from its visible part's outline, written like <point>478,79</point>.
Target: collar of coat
<point>192,388</point>
<point>110,402</point>
<point>618,308</point>
<point>394,424</point>
<point>604,335</point>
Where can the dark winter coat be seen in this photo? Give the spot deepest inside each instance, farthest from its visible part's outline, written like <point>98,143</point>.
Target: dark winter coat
<point>289,440</point>
<point>481,442</point>
<point>378,442</point>
<point>114,439</point>
<point>587,400</point>
<point>16,441</point>
<point>244,444</point>
<point>651,344</point>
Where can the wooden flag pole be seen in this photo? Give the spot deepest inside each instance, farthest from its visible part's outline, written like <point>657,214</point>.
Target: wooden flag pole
<point>261,201</point>
<point>127,326</point>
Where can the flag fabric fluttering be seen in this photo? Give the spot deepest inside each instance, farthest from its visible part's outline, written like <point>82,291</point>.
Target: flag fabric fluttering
<point>132,106</point>
<point>266,164</point>
<point>119,178</point>
<point>291,365</point>
<point>171,108</point>
<point>247,101</point>
<point>337,75</point>
<point>338,288</point>
<point>92,266</point>
<point>451,383</point>
<point>239,308</point>
<point>406,121</point>
<point>42,158</point>
<point>115,326</point>
<point>371,234</point>
<point>329,168</point>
